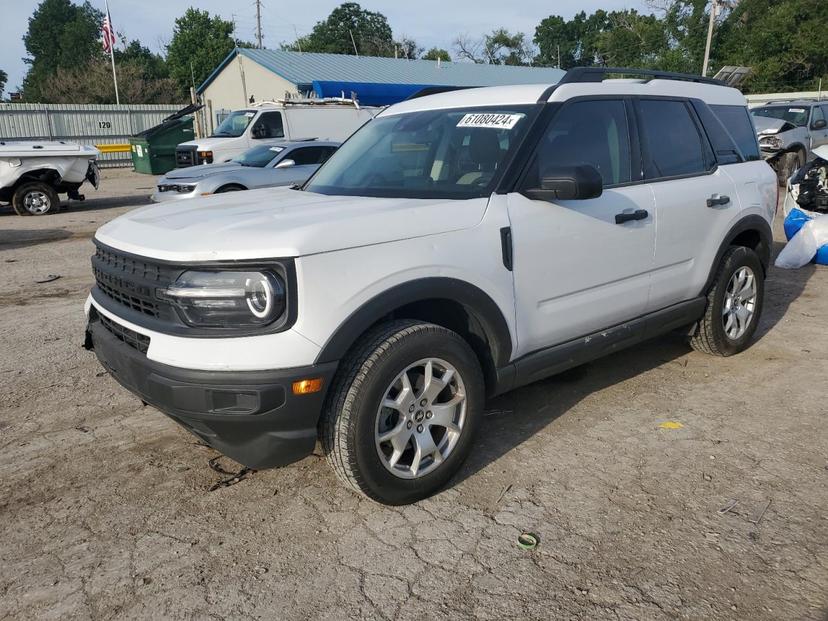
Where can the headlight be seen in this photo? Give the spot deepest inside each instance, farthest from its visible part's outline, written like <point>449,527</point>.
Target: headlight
<point>770,141</point>
<point>205,157</point>
<point>227,299</point>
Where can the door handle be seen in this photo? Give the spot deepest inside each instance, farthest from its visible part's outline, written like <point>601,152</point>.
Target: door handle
<point>718,199</point>
<point>638,214</point>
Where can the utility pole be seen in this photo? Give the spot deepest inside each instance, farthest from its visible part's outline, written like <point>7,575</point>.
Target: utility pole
<point>356,51</point>
<point>714,6</point>
<point>559,57</point>
<point>259,22</point>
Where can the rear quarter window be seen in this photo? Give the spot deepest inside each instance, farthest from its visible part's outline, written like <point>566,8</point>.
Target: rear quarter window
<point>737,121</point>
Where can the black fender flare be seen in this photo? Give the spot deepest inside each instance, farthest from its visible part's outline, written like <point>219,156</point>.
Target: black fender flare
<point>476,302</point>
<point>751,222</point>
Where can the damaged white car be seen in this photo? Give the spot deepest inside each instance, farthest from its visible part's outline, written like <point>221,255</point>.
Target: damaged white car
<point>806,214</point>
<point>34,174</point>
<point>788,133</point>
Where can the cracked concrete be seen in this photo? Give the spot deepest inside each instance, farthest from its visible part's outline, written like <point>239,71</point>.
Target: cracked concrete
<point>105,513</point>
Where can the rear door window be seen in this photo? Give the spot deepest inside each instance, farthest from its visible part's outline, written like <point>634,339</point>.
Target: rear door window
<point>736,120</point>
<point>309,155</point>
<point>671,141</point>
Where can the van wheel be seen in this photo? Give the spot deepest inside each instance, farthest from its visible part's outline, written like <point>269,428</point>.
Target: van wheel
<point>734,304</point>
<point>35,199</point>
<point>402,413</point>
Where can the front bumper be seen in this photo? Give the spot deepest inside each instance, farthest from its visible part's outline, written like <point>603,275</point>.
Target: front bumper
<point>252,417</point>
<point>166,197</point>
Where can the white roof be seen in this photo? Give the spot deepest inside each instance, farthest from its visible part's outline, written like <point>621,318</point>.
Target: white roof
<point>530,93</point>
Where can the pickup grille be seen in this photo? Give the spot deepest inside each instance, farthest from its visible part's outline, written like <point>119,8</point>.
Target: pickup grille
<point>185,157</point>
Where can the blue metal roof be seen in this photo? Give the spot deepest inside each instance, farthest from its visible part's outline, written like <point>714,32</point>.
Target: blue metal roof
<point>303,68</point>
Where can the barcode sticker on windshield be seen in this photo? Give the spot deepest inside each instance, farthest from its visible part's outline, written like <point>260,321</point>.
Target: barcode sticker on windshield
<point>493,121</point>
<point>796,109</point>
<point>277,149</point>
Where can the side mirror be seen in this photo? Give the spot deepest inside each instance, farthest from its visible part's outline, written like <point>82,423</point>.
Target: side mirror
<point>568,183</point>
<point>287,163</point>
<point>819,124</point>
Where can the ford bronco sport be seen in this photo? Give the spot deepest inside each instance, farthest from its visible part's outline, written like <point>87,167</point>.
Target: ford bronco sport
<point>458,246</point>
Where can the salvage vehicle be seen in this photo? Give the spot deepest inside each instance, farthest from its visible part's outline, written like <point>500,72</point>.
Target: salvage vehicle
<point>806,214</point>
<point>264,166</point>
<point>458,246</point>
<point>271,121</point>
<point>789,132</point>
<point>34,174</point>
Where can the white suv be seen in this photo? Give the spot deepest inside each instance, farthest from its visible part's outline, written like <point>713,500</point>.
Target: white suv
<point>457,246</point>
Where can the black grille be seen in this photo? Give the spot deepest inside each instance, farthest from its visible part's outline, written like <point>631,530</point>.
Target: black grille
<point>130,337</point>
<point>185,156</point>
<point>132,282</point>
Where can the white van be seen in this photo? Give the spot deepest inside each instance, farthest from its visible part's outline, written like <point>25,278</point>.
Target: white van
<point>290,119</point>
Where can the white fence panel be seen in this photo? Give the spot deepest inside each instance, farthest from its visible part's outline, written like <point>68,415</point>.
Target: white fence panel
<point>82,123</point>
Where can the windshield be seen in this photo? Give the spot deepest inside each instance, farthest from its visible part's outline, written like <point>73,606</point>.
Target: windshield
<point>796,115</point>
<point>258,157</point>
<point>431,154</point>
<point>234,125</point>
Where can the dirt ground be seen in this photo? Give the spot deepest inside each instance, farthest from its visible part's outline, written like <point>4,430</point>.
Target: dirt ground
<point>105,508</point>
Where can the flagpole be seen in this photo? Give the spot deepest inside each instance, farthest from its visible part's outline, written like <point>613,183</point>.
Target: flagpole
<point>112,56</point>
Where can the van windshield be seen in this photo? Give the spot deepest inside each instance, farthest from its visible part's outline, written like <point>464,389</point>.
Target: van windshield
<point>796,115</point>
<point>455,154</point>
<point>234,125</point>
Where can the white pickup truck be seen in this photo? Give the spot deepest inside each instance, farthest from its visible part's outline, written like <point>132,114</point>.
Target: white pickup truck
<point>289,119</point>
<point>34,174</point>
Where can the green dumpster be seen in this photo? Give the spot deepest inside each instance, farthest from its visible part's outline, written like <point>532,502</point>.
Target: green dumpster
<point>153,150</point>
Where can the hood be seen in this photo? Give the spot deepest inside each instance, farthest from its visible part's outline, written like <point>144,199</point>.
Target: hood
<point>822,152</point>
<point>765,125</point>
<point>208,144</point>
<point>279,222</point>
<point>194,173</point>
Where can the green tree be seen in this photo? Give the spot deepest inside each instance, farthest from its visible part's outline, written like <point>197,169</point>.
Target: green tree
<point>575,42</point>
<point>4,77</point>
<point>407,47</point>
<point>500,47</point>
<point>783,42</point>
<point>92,83</point>
<point>370,31</point>
<point>152,66</point>
<point>199,43</point>
<point>631,40</point>
<point>437,53</point>
<point>60,34</point>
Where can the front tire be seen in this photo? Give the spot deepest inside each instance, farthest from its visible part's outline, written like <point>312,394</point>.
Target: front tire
<point>402,413</point>
<point>734,304</point>
<point>35,199</point>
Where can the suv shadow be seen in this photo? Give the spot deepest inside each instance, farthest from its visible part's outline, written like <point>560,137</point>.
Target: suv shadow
<point>512,418</point>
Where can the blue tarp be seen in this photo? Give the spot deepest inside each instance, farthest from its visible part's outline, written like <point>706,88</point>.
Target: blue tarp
<point>368,93</point>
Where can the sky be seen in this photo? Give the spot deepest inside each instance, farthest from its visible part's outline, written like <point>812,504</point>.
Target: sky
<point>429,22</point>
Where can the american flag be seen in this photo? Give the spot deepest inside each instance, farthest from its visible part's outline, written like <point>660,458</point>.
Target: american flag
<point>108,33</point>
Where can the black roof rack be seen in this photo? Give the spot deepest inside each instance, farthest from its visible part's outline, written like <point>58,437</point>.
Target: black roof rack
<point>435,90</point>
<point>597,74</point>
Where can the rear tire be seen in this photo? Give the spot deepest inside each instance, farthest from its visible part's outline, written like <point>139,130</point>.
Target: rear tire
<point>734,304</point>
<point>401,453</point>
<point>35,198</point>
